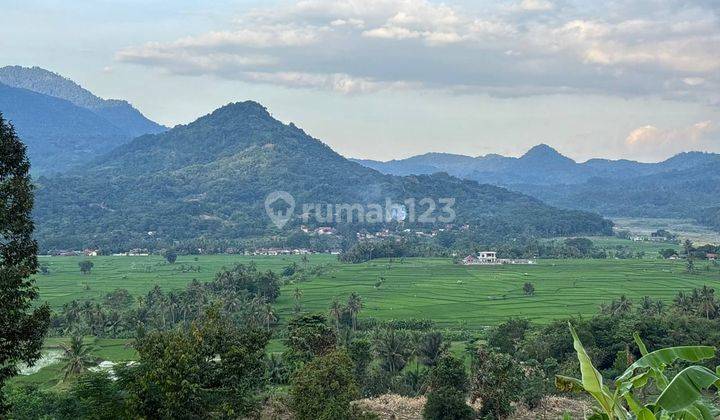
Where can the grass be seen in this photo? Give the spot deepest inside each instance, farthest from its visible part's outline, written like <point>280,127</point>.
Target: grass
<point>454,296</point>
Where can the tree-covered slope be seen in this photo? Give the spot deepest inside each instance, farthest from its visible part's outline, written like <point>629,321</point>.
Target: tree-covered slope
<point>58,133</point>
<point>209,179</point>
<point>117,112</point>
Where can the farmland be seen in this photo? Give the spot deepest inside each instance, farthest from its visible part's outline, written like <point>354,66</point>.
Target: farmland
<point>453,296</point>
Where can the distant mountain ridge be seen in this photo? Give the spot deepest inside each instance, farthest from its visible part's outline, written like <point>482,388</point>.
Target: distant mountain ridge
<point>685,185</point>
<point>207,181</point>
<point>118,112</point>
<point>541,165</point>
<point>63,124</point>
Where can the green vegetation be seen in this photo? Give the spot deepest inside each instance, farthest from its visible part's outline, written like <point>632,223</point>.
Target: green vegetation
<point>22,327</point>
<point>235,157</point>
<point>679,397</point>
<point>426,288</point>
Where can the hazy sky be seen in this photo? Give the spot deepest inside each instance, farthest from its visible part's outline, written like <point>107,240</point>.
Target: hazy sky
<point>386,79</point>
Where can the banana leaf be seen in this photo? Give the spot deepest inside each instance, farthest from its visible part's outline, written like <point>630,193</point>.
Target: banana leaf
<point>592,380</point>
<point>658,359</point>
<point>685,389</point>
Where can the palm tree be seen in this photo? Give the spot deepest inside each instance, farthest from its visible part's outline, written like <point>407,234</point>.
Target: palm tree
<point>354,305</point>
<point>431,348</point>
<point>708,304</point>
<point>393,351</point>
<point>297,295</point>
<point>77,357</point>
<point>683,303</point>
<point>268,315</point>
<point>622,305</point>
<point>336,311</point>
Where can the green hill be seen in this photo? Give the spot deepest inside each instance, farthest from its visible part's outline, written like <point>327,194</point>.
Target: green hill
<point>208,181</point>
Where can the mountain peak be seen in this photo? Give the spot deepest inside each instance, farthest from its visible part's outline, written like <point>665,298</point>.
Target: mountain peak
<point>544,153</point>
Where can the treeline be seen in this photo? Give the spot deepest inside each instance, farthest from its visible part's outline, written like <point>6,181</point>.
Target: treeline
<point>241,292</point>
<point>442,246</point>
<point>216,365</point>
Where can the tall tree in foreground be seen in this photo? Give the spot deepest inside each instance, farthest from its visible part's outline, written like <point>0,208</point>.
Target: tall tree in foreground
<point>22,328</point>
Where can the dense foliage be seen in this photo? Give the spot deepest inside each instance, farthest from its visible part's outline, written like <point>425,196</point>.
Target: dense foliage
<point>207,181</point>
<point>22,323</point>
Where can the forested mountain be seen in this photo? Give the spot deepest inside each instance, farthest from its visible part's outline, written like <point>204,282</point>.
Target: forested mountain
<point>58,133</point>
<point>118,112</point>
<point>686,185</point>
<point>63,124</point>
<point>208,181</point>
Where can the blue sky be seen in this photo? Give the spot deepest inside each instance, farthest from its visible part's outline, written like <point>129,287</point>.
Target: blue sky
<point>387,79</point>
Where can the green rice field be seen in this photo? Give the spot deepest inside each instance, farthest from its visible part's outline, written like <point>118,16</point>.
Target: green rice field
<point>454,296</point>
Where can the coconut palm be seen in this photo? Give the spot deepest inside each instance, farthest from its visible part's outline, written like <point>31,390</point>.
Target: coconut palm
<point>336,311</point>
<point>683,303</point>
<point>354,305</point>
<point>431,347</point>
<point>621,306</point>
<point>708,303</point>
<point>268,315</point>
<point>392,349</point>
<point>77,357</point>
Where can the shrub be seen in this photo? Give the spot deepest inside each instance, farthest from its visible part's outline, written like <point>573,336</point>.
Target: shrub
<point>324,388</point>
<point>447,404</point>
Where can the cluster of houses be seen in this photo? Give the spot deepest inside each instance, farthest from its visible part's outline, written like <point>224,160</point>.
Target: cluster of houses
<point>322,230</point>
<point>286,251</point>
<point>490,258</point>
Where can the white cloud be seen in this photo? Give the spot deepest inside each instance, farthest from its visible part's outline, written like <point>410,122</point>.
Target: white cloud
<point>655,142</point>
<point>536,5</point>
<point>618,49</point>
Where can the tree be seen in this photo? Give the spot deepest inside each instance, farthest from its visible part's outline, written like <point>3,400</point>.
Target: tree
<point>708,303</point>
<point>497,380</point>
<point>508,336</point>
<point>99,396</point>
<point>336,312</point>
<point>210,369</point>
<point>690,266</point>
<point>667,253</point>
<point>77,356</point>
<point>687,247</point>
<point>447,383</point>
<point>86,266</point>
<point>354,305</point>
<point>297,295</point>
<point>171,256</point>
<point>324,388</point>
<point>447,403</point>
<point>308,336</point>
<point>528,289</point>
<point>22,323</point>
<point>392,348</point>
<point>431,348</point>
<point>269,316</point>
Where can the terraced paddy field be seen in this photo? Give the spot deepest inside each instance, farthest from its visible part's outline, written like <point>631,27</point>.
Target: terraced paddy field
<point>454,296</point>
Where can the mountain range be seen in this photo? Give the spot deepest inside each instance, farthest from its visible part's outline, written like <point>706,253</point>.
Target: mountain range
<point>63,124</point>
<point>686,185</point>
<point>207,181</point>
<point>541,165</point>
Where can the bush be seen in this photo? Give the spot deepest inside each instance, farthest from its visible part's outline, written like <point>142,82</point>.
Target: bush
<point>447,404</point>
<point>324,388</point>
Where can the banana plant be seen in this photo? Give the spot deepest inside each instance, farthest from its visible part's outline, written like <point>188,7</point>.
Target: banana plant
<point>680,397</point>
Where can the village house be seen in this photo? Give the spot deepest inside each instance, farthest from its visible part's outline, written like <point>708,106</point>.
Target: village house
<point>711,256</point>
<point>490,258</point>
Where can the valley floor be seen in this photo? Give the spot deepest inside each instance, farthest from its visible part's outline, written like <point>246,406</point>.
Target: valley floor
<point>453,296</point>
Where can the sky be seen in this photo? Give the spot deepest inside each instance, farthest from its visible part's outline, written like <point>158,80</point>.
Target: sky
<point>386,79</point>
